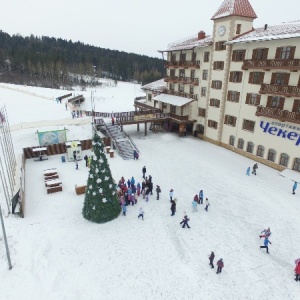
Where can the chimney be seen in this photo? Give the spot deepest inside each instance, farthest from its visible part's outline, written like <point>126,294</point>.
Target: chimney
<point>266,26</point>
<point>201,35</point>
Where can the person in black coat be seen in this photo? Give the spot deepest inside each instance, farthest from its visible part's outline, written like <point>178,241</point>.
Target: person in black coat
<point>158,190</point>
<point>185,221</point>
<point>220,265</point>
<point>173,207</point>
<point>211,259</point>
<point>86,160</point>
<point>255,166</point>
<point>144,172</point>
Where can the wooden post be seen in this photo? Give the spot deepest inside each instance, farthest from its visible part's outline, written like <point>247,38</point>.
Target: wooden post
<point>145,128</point>
<point>138,126</point>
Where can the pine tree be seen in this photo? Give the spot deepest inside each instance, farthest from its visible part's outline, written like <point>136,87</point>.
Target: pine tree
<point>101,203</point>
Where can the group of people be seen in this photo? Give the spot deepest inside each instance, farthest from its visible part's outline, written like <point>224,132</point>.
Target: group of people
<point>220,262</point>
<point>76,113</point>
<point>254,168</point>
<point>199,200</point>
<point>88,160</point>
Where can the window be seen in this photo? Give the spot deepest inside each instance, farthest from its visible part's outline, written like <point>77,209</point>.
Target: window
<point>149,97</point>
<point>164,105</point>
<point>233,96</point>
<point>284,159</point>
<point>231,140</point>
<point>250,147</point>
<point>241,144</point>
<point>260,151</point>
<point>275,102</point>
<point>194,57</point>
<point>216,84</point>
<point>230,120</point>
<point>203,91</point>
<point>191,89</point>
<point>172,72</point>
<point>205,74</point>
<point>212,124</point>
<point>296,165</point>
<point>253,99</point>
<point>206,57</point>
<point>181,73</point>
<point>172,109</point>
<point>214,102</point>
<point>172,86</point>
<point>248,125</point>
<point>260,54</point>
<point>296,106</point>
<point>271,155</point>
<point>238,55</point>
<point>201,112</point>
<point>280,78</point>
<point>182,57</point>
<point>192,73</point>
<point>235,76</point>
<point>218,65</point>
<point>238,28</point>
<point>181,88</point>
<point>173,57</point>
<point>285,52</point>
<point>220,46</point>
<point>256,77</point>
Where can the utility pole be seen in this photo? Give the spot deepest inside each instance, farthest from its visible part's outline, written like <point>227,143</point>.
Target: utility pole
<point>5,240</point>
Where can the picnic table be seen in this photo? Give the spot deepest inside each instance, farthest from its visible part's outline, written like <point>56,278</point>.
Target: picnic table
<point>50,172</point>
<point>52,183</point>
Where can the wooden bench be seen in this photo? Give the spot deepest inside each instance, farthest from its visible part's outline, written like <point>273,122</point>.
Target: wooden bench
<point>54,189</point>
<point>55,176</point>
<point>40,158</point>
<point>80,189</point>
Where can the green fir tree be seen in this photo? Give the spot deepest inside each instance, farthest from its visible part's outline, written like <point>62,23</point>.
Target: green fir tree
<point>101,203</point>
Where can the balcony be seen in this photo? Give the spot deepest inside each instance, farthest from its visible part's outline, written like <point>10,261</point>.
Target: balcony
<point>181,94</point>
<point>278,114</point>
<point>182,79</point>
<point>183,64</point>
<point>283,90</point>
<point>268,64</point>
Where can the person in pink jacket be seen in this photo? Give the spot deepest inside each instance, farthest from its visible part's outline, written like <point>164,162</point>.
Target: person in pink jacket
<point>297,272</point>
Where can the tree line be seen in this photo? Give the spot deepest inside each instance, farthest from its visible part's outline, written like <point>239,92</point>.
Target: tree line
<point>53,62</point>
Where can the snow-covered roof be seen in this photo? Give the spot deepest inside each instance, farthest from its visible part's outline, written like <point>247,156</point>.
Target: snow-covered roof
<point>235,8</point>
<point>189,43</point>
<point>155,86</point>
<point>173,100</point>
<point>276,32</point>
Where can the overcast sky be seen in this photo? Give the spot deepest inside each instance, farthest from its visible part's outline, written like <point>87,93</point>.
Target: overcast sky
<point>137,26</point>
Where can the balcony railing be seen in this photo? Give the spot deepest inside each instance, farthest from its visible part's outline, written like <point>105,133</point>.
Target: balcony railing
<point>284,90</point>
<point>181,94</point>
<point>279,114</point>
<point>183,64</point>
<point>268,64</point>
<point>182,79</point>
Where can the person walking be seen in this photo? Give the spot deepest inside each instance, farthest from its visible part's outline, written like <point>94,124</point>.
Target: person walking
<point>141,213</point>
<point>206,204</point>
<point>185,221</point>
<point>266,233</point>
<point>158,191</point>
<point>86,160</point>
<point>144,172</point>
<point>297,271</point>
<point>89,161</point>
<point>211,259</point>
<point>171,195</point>
<point>112,121</point>
<point>248,171</point>
<point>194,204</point>
<point>76,164</point>
<point>124,209</point>
<point>295,187</point>
<point>220,265</point>
<point>173,207</point>
<point>266,243</point>
<point>201,197</point>
<point>254,168</point>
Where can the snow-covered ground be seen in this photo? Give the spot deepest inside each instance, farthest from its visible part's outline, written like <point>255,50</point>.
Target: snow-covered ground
<point>57,254</point>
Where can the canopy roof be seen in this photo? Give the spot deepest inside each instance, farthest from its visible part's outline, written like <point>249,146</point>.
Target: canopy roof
<point>173,100</point>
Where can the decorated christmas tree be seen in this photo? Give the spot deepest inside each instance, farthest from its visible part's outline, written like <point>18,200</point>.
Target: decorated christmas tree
<point>101,203</point>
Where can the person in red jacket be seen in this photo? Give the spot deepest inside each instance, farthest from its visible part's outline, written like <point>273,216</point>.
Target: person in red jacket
<point>220,265</point>
<point>297,271</point>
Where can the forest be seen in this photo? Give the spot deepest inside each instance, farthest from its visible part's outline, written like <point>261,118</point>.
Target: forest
<point>54,62</point>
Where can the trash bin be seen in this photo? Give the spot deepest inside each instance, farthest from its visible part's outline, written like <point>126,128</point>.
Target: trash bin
<point>63,159</point>
<point>111,153</point>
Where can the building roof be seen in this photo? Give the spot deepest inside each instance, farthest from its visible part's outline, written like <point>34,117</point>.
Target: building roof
<point>276,32</point>
<point>189,43</point>
<point>173,100</point>
<point>155,86</point>
<point>235,8</point>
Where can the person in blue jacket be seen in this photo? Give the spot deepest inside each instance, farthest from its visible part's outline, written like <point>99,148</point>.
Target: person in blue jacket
<point>294,187</point>
<point>132,182</point>
<point>128,183</point>
<point>201,197</point>
<point>248,171</point>
<point>266,243</point>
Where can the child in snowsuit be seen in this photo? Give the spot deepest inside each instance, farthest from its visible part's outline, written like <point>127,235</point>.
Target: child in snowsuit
<point>248,171</point>
<point>201,197</point>
<point>185,221</point>
<point>194,203</point>
<point>266,242</point>
<point>266,233</point>
<point>255,166</point>
<point>171,194</point>
<point>294,187</point>
<point>297,272</point>
<point>220,265</point>
<point>141,213</point>
<point>158,190</point>
<point>206,204</point>
<point>173,207</point>
<point>211,259</point>
<point>124,209</point>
